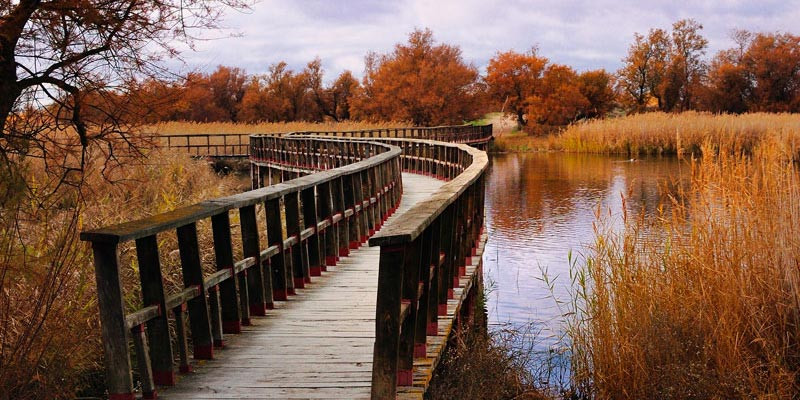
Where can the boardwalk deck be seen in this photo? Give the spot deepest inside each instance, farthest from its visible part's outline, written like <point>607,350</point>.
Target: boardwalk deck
<point>317,345</point>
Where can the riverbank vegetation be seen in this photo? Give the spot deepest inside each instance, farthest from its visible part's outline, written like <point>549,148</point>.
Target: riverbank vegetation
<point>659,133</point>
<point>701,301</point>
<point>50,339</point>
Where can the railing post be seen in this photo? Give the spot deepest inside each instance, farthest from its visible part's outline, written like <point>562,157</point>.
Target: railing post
<point>259,288</point>
<point>112,322</point>
<point>300,267</point>
<point>327,211</point>
<point>387,322</point>
<point>153,294</point>
<point>223,251</point>
<point>199,321</point>
<point>310,220</point>
<point>275,237</point>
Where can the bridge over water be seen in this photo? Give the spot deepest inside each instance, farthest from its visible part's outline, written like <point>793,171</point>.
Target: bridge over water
<point>305,309</point>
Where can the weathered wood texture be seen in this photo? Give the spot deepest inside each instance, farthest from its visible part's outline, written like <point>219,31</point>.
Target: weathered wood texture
<point>324,199</point>
<point>319,343</point>
<point>238,145</point>
<point>210,302</point>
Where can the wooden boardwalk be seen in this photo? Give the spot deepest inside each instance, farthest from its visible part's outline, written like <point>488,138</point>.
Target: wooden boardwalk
<point>319,344</point>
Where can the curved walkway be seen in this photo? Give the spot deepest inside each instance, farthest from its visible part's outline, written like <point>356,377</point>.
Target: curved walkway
<point>317,345</point>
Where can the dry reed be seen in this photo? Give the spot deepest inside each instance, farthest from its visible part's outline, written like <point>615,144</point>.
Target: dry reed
<point>49,333</point>
<point>702,301</point>
<point>681,134</point>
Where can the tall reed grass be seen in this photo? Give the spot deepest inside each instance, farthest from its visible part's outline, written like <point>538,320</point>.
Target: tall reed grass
<point>49,333</point>
<point>681,134</point>
<point>702,301</point>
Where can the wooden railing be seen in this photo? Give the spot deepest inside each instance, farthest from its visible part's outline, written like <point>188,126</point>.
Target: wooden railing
<point>475,135</point>
<point>238,145</point>
<point>206,145</point>
<point>422,255</point>
<point>323,212</point>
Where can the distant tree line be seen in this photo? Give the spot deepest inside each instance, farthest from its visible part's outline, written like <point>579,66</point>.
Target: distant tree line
<point>427,83</point>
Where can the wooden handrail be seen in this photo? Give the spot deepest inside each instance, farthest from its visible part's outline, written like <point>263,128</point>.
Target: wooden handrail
<point>219,303</point>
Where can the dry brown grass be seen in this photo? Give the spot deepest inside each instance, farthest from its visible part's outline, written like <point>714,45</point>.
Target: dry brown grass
<point>682,134</point>
<point>703,302</point>
<point>49,334</point>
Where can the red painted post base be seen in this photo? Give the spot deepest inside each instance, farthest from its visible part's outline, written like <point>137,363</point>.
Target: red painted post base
<point>420,350</point>
<point>330,261</point>
<point>300,283</point>
<point>315,271</point>
<point>433,327</point>
<point>258,309</point>
<point>164,378</point>
<point>269,306</point>
<point>307,279</point>
<point>354,244</point>
<point>291,292</point>
<point>231,327</point>
<point>462,270</point>
<point>405,377</point>
<point>121,396</point>
<point>205,352</point>
<point>185,369</point>
<point>150,395</point>
<point>279,294</point>
<point>344,251</point>
<point>442,309</point>
<point>372,231</point>
<point>455,282</point>
<point>451,294</point>
<point>219,344</point>
<point>246,322</point>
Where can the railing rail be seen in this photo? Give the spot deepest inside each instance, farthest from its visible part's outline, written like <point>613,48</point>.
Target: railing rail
<point>306,219</point>
<point>238,145</point>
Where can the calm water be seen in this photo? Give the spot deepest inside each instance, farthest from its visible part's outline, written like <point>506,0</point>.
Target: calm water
<point>541,207</point>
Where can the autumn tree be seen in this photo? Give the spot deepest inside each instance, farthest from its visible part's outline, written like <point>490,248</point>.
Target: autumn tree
<point>421,82</point>
<point>644,68</point>
<point>61,57</point>
<point>559,100</point>
<point>598,88</point>
<point>512,78</point>
<point>728,86</point>
<point>773,64</point>
<point>667,68</point>
<point>686,67</point>
<point>333,101</point>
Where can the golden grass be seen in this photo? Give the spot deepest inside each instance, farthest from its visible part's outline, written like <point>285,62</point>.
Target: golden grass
<point>50,345</point>
<point>684,133</point>
<point>703,301</point>
<point>661,134</point>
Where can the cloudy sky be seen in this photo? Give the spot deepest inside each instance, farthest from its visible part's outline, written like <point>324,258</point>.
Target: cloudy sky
<point>584,34</point>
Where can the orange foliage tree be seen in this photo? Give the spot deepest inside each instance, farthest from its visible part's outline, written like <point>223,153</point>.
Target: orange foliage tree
<point>512,78</point>
<point>559,100</point>
<point>598,88</point>
<point>421,82</point>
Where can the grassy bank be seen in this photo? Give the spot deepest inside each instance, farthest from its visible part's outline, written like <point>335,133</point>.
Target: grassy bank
<point>703,302</point>
<point>661,133</point>
<point>49,334</point>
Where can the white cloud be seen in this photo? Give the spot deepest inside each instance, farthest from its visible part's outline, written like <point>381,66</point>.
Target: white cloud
<point>584,34</point>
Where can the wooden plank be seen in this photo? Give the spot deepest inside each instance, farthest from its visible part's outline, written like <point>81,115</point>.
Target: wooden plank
<point>318,344</point>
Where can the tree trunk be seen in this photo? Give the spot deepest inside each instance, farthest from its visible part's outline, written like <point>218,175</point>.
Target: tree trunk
<point>520,119</point>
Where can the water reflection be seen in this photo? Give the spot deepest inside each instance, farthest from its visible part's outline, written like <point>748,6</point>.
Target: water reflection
<point>540,207</point>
